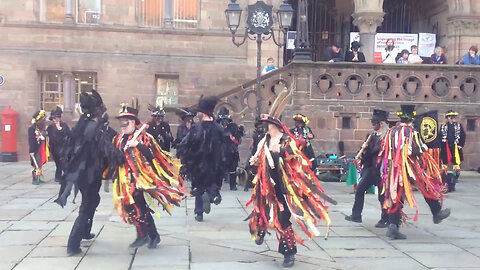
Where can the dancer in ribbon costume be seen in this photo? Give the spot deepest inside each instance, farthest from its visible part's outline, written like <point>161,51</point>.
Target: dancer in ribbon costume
<point>304,134</point>
<point>38,145</point>
<point>149,176</point>
<point>451,152</point>
<point>405,164</point>
<point>284,186</point>
<point>370,172</point>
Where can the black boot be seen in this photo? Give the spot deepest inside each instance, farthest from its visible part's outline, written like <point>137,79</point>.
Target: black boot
<point>142,238</point>
<point>260,238</point>
<point>443,214</point>
<point>154,242</point>
<point>354,218</point>
<point>199,217</point>
<point>288,261</point>
<point>140,241</point>
<point>233,181</point>
<point>383,222</point>
<point>394,233</point>
<point>73,251</point>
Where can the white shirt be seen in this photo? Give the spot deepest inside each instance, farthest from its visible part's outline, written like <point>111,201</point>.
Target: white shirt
<point>414,59</point>
<point>388,57</point>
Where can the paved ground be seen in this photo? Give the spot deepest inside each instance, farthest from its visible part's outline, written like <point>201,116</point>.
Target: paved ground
<point>34,231</point>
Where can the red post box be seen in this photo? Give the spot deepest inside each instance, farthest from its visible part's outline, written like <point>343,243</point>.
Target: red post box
<point>9,135</point>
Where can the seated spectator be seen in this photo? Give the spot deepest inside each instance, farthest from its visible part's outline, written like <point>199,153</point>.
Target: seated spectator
<point>403,59</point>
<point>355,55</point>
<point>389,54</point>
<point>438,57</point>
<point>269,67</point>
<point>333,54</point>
<point>471,58</point>
<point>414,58</point>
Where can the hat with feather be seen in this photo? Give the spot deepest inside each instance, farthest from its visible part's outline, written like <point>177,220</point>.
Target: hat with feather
<point>224,114</point>
<point>156,111</point>
<point>130,112</point>
<point>451,113</point>
<point>277,108</point>
<point>57,112</point>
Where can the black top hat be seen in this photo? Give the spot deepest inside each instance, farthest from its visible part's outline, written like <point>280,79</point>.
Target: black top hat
<point>224,114</point>
<point>379,115</point>
<point>90,102</point>
<point>407,112</point>
<point>57,112</point>
<point>206,105</point>
<point>187,113</point>
<point>156,111</point>
<point>271,120</point>
<point>128,113</point>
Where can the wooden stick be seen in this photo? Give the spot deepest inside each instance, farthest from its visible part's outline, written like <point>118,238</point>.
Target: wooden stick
<point>359,154</point>
<point>136,134</point>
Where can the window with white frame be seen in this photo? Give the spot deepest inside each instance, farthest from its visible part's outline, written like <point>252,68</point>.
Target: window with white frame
<point>83,82</point>
<point>51,90</point>
<point>89,11</point>
<point>182,14</point>
<point>51,10</point>
<point>166,89</point>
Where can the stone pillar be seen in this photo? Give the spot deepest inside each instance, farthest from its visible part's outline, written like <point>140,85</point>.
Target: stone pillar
<point>367,17</point>
<point>463,28</point>
<point>168,20</point>
<point>68,95</point>
<point>69,12</point>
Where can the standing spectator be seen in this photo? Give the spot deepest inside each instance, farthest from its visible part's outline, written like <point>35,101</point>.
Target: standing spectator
<point>355,55</point>
<point>333,54</point>
<point>270,66</point>
<point>403,59</point>
<point>389,54</point>
<point>471,58</point>
<point>438,57</point>
<point>414,58</point>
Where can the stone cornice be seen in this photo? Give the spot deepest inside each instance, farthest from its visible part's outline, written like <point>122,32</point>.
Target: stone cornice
<point>368,22</point>
<point>115,28</point>
<point>464,26</point>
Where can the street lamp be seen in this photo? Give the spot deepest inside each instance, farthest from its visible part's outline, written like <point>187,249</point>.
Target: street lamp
<point>259,28</point>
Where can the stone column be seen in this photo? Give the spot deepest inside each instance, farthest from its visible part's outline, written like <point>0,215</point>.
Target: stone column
<point>463,28</point>
<point>68,95</point>
<point>69,12</point>
<point>367,17</point>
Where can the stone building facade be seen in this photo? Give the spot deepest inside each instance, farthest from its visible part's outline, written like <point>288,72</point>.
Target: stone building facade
<point>173,51</point>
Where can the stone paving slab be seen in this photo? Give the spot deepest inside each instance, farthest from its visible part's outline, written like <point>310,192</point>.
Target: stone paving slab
<point>34,233</point>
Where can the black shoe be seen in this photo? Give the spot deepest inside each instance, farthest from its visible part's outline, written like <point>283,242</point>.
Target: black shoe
<point>154,242</point>
<point>443,214</point>
<point>288,261</point>
<point>140,241</point>
<point>199,218</point>
<point>73,251</point>
<point>89,236</point>
<point>394,233</point>
<point>381,224</point>
<point>354,219</point>
<point>260,238</point>
<point>206,202</point>
<point>217,199</point>
<point>245,189</point>
<point>233,188</point>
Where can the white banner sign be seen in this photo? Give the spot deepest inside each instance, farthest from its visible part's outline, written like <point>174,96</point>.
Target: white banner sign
<point>402,42</point>
<point>426,44</point>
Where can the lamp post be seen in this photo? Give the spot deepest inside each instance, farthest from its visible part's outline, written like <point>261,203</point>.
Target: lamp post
<point>259,28</point>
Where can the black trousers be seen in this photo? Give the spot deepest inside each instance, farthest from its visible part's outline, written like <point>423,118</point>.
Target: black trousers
<point>286,245</point>
<point>370,176</point>
<point>58,167</point>
<point>213,191</point>
<point>83,224</point>
<point>434,205</point>
<point>141,216</point>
